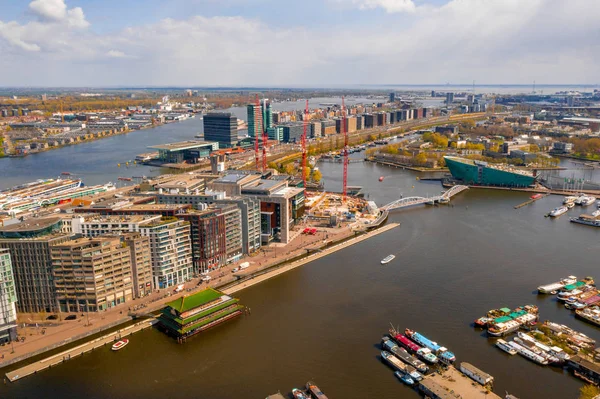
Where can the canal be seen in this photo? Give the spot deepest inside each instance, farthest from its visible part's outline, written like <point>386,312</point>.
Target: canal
<point>323,321</point>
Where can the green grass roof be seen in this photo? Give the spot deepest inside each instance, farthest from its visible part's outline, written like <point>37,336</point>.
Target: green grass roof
<point>188,302</point>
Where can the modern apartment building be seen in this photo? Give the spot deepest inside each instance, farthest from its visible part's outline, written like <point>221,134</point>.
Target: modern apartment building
<point>141,263</point>
<point>233,231</point>
<point>29,244</point>
<point>171,251</point>
<point>255,123</point>
<point>92,274</point>
<point>8,299</point>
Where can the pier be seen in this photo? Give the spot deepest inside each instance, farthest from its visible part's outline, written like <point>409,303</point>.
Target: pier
<point>530,201</point>
<point>77,351</point>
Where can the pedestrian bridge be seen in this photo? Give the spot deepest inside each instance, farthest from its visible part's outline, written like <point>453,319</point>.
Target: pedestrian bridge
<point>410,201</point>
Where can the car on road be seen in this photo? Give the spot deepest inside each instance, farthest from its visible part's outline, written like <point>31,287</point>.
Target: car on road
<point>206,278</point>
<point>237,269</point>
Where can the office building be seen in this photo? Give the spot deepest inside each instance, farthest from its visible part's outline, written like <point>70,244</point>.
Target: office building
<point>191,151</point>
<point>328,127</point>
<point>141,263</point>
<point>370,121</point>
<point>92,274</point>
<point>8,299</point>
<point>267,115</point>
<point>449,98</point>
<point>222,128</point>
<point>392,97</point>
<point>275,133</point>
<point>29,244</point>
<point>255,124</point>
<point>292,132</point>
<point>315,129</point>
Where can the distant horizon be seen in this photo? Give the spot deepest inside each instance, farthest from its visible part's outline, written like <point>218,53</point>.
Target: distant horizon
<point>307,87</point>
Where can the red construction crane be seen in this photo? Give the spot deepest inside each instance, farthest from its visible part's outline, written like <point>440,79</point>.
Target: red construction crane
<point>257,130</point>
<point>265,139</point>
<point>305,122</point>
<point>345,133</point>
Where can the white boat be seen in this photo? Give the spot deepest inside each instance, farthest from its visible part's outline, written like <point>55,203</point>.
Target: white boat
<point>588,201</point>
<point>580,199</point>
<point>548,288</point>
<point>120,344</point>
<point>558,211</point>
<point>388,259</point>
<point>569,200</point>
<point>521,350</point>
<point>596,213</point>
<point>584,219</point>
<point>570,205</point>
<point>502,344</point>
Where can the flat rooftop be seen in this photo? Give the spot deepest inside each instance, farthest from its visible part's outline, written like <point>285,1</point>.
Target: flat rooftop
<point>30,225</point>
<point>122,218</point>
<point>182,145</point>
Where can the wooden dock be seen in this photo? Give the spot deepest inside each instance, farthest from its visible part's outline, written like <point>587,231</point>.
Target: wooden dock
<point>77,351</point>
<point>530,201</point>
<point>452,384</point>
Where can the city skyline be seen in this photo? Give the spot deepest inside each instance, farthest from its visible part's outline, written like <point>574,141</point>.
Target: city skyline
<point>319,44</point>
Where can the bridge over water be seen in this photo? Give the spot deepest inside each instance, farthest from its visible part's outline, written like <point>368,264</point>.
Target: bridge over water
<point>410,201</point>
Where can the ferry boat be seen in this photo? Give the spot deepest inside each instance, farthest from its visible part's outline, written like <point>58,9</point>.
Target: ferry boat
<point>388,259</point>
<point>405,378</point>
<point>399,366</point>
<point>526,353</point>
<point>422,353</point>
<point>313,390</point>
<point>548,288</point>
<point>443,353</point>
<point>591,315</point>
<point>556,212</point>
<point>298,394</point>
<point>588,201</point>
<point>402,354</point>
<point>502,344</point>
<point>120,344</point>
<point>569,199</point>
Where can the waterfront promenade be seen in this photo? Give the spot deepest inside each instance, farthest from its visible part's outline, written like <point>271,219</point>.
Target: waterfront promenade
<point>42,335</point>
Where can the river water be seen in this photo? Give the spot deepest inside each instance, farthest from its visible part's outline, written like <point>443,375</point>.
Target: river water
<point>323,321</point>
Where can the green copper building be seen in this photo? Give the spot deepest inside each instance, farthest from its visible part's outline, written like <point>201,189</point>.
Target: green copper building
<point>483,174</point>
<point>195,313</point>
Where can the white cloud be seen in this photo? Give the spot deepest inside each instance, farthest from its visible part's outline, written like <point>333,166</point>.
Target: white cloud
<point>56,11</point>
<point>390,6</point>
<point>116,54</point>
<point>496,41</point>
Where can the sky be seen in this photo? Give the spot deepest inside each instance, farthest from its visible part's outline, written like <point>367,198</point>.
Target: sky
<point>287,43</point>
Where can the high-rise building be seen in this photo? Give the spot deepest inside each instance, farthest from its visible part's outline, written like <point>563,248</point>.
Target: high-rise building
<point>171,251</point>
<point>275,133</point>
<point>267,114</point>
<point>255,125</point>
<point>449,98</point>
<point>392,97</point>
<point>92,274</point>
<point>141,263</point>
<point>8,299</point>
<point>207,238</point>
<point>222,128</point>
<point>233,231</point>
<point>292,132</point>
<point>29,244</point>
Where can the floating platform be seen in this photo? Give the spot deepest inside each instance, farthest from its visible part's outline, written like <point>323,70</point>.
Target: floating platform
<point>452,384</point>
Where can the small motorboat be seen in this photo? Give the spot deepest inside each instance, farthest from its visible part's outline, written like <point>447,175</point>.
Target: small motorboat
<point>381,178</point>
<point>120,344</point>
<point>570,205</point>
<point>66,173</point>
<point>536,196</point>
<point>387,259</point>
<point>298,394</point>
<point>405,378</point>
